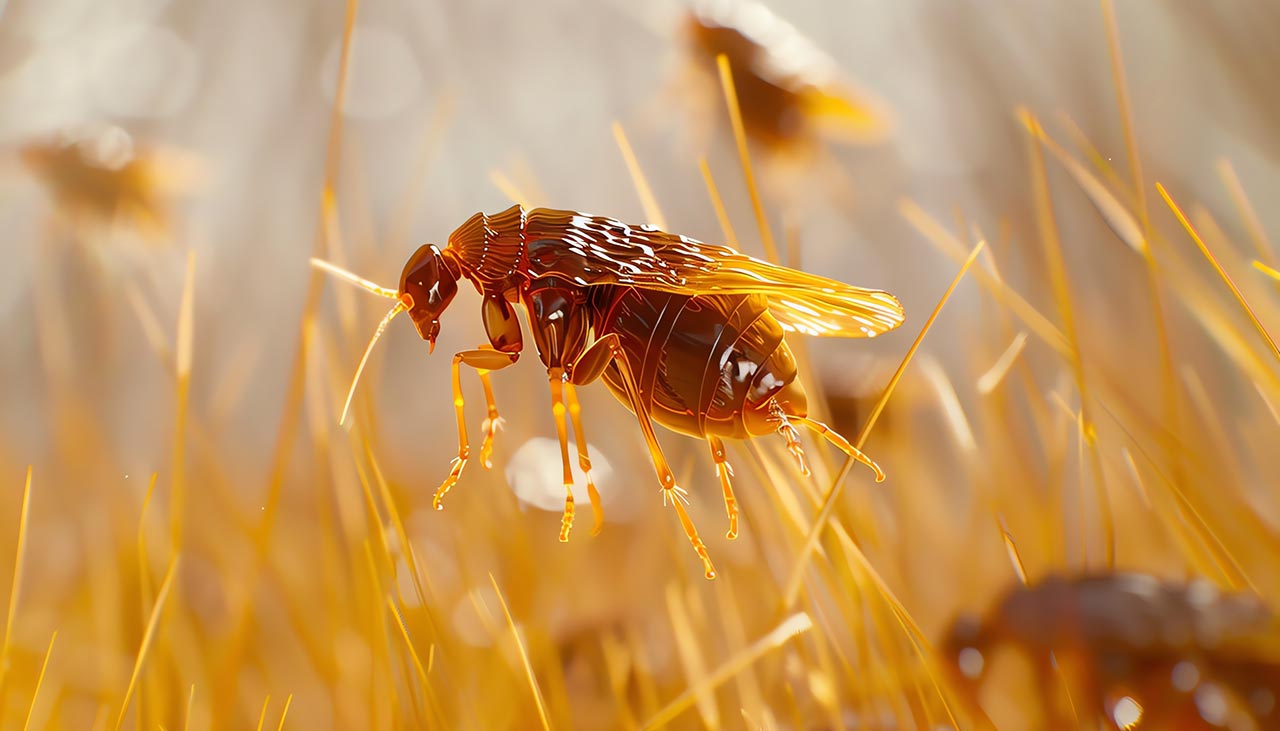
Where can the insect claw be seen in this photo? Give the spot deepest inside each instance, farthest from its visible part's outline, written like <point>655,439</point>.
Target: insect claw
<point>796,451</point>
<point>490,427</point>
<point>566,523</point>
<point>455,472</point>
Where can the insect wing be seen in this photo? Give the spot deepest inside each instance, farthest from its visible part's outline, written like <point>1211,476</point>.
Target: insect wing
<point>593,250</point>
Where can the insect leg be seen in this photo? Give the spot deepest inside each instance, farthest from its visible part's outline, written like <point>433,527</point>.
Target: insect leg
<point>725,472</point>
<point>555,377</point>
<point>790,434</point>
<point>594,362</point>
<point>841,443</point>
<point>484,359</point>
<point>584,459</point>
<point>492,423</point>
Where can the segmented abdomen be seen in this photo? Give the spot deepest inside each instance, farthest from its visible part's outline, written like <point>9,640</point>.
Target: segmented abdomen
<point>699,361</point>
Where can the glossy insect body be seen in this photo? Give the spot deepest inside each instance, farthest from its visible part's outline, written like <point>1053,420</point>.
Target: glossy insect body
<point>707,366</point>
<point>1187,655</point>
<point>684,333</point>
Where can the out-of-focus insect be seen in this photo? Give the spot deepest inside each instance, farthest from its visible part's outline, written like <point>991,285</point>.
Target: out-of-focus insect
<point>1134,651</point>
<point>684,333</point>
<point>789,91</point>
<point>103,177</point>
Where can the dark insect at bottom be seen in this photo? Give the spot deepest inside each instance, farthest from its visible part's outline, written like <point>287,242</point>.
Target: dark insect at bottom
<point>687,334</point>
<point>1132,651</point>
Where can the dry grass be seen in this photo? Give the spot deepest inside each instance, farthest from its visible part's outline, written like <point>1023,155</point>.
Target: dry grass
<point>1103,393</point>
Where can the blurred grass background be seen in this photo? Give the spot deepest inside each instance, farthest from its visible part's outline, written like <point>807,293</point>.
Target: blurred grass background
<point>211,548</point>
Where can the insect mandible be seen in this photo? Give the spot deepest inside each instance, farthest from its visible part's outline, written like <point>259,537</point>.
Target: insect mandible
<point>687,334</point>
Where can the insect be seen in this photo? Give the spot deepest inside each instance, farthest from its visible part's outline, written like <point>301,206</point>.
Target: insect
<point>687,334</point>
<point>789,91</point>
<point>1183,656</point>
<point>105,177</point>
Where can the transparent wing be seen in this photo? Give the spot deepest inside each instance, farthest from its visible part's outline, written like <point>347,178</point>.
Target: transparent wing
<point>593,250</point>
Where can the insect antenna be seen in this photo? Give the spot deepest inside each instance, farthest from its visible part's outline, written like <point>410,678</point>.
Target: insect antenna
<point>382,326</point>
<point>355,279</point>
<point>402,304</point>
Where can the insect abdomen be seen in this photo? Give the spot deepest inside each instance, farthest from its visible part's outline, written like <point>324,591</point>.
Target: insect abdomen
<point>706,364</point>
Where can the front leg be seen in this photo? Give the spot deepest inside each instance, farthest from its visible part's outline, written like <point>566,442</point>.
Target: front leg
<point>483,359</point>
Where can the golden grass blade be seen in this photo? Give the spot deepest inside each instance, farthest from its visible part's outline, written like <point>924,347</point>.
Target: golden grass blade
<point>1245,210</point>
<point>1274,274</point>
<point>16,588</point>
<point>408,643</point>
<point>1112,211</point>
<point>791,588</point>
<point>1126,110</point>
<point>191,699</point>
<point>35,695</point>
<point>1236,577</point>
<point>355,279</point>
<point>730,238</point>
<point>186,318</point>
<point>919,642</point>
<point>148,637</point>
<point>411,200</point>
<point>396,309</point>
<point>793,625</point>
<point>524,658</point>
<point>992,378</point>
<point>1204,249</point>
<point>1047,223</point>
<point>1011,547</point>
<point>691,657</point>
<point>151,327</point>
<point>508,188</point>
<point>949,400</point>
<point>182,392</point>
<point>285,713</point>
<point>397,522</point>
<point>144,565</point>
<point>647,200</point>
<point>740,136</point>
<point>262,717</point>
<point>1036,322</point>
<point>332,227</point>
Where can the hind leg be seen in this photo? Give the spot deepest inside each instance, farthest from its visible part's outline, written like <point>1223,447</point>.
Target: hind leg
<point>589,366</point>
<point>789,433</point>
<point>725,472</point>
<point>839,442</point>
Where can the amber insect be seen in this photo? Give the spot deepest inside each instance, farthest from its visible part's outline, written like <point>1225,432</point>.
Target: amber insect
<point>105,177</point>
<point>1129,646</point>
<point>687,334</point>
<point>789,91</point>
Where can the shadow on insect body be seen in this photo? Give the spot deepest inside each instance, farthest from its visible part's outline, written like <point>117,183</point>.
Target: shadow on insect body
<point>1131,651</point>
<point>687,334</point>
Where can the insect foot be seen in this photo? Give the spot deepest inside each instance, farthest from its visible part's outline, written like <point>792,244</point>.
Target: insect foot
<point>458,464</point>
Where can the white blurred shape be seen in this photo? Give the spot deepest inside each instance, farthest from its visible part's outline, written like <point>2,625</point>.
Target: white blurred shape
<point>383,76</point>
<point>113,148</point>
<point>971,662</point>
<point>145,72</point>
<point>535,473</point>
<point>1127,713</point>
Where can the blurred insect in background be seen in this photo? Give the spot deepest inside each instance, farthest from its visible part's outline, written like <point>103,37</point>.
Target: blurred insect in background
<point>1130,648</point>
<point>102,177</point>
<point>789,91</point>
<point>685,333</point>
